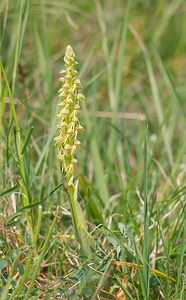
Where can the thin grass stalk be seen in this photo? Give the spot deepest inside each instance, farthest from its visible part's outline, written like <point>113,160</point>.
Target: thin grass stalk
<point>141,277</point>
<point>146,270</point>
<point>38,225</point>
<point>40,259</point>
<point>22,20</point>
<point>155,94</point>
<point>119,76</point>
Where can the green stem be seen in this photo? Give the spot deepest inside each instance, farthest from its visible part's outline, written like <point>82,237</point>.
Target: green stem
<point>74,213</point>
<point>38,225</point>
<point>79,222</point>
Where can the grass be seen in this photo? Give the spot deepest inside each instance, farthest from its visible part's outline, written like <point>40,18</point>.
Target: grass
<point>131,164</point>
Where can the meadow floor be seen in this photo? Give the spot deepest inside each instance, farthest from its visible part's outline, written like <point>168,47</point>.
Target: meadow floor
<point>120,234</point>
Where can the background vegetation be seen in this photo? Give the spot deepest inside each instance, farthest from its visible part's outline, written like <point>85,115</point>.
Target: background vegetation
<point>132,161</point>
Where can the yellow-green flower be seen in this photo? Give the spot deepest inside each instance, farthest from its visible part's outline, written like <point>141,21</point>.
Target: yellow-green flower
<point>69,125</point>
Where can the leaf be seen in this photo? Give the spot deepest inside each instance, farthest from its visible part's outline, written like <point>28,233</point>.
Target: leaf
<point>27,139</point>
<point>3,264</point>
<point>21,269</point>
<point>10,190</point>
<point>87,240</point>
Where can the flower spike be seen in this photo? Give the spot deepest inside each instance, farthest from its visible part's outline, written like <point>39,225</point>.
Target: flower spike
<point>69,125</point>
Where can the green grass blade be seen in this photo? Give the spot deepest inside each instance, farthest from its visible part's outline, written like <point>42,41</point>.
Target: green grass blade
<point>170,84</point>
<point>27,140</point>
<point>98,166</point>
<point>158,106</point>
<point>146,241</point>
<point>39,260</point>
<point>10,190</point>
<point>22,21</point>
